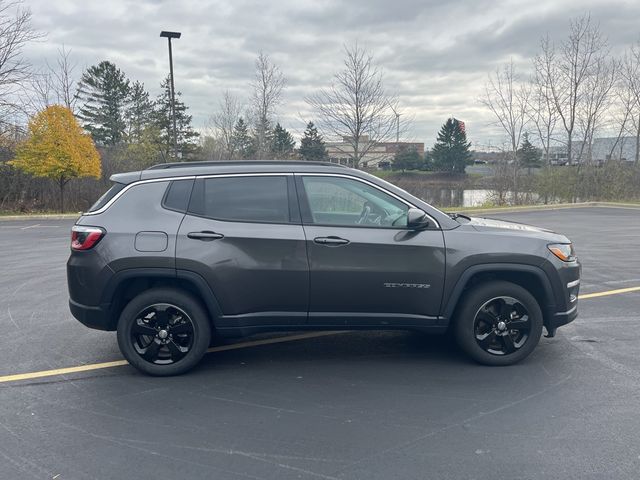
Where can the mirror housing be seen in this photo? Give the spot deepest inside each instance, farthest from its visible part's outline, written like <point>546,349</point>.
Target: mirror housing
<point>417,219</point>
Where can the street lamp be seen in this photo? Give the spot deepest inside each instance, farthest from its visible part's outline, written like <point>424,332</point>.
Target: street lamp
<point>169,36</point>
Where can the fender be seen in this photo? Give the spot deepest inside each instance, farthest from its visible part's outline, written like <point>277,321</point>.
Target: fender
<point>498,267</point>
<point>194,279</point>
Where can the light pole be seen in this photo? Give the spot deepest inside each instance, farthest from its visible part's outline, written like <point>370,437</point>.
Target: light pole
<point>169,36</point>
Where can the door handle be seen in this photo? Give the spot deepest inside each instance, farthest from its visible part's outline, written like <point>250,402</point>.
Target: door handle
<point>331,241</point>
<point>206,235</point>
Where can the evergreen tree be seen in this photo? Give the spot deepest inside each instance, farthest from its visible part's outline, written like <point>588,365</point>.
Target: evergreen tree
<point>312,145</point>
<point>451,152</point>
<point>242,144</point>
<point>187,137</point>
<point>139,114</point>
<point>104,94</point>
<point>283,143</point>
<point>407,159</point>
<point>529,156</point>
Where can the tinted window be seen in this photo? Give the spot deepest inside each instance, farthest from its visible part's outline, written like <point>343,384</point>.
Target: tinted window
<point>177,196</point>
<point>108,195</point>
<point>242,199</point>
<point>341,201</point>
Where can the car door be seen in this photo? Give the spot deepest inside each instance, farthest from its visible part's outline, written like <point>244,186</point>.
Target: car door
<point>242,234</point>
<point>366,267</point>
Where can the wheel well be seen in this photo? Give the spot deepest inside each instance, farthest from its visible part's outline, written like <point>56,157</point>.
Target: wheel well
<point>131,287</point>
<point>527,280</point>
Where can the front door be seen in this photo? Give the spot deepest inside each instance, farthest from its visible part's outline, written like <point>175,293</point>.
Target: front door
<point>366,266</point>
<point>242,234</point>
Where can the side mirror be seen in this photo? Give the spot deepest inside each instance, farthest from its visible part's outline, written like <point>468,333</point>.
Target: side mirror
<point>417,219</point>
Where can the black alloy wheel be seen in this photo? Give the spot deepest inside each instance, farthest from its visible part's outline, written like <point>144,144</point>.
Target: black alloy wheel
<point>162,333</point>
<point>502,326</point>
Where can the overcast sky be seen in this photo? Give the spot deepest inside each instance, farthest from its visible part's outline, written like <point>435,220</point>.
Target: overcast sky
<point>435,54</point>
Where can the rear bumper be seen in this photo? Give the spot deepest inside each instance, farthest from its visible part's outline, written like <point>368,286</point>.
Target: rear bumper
<point>93,317</point>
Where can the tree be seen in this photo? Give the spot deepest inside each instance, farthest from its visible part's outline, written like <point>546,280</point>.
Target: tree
<point>104,92</point>
<point>567,70</point>
<point>451,152</point>
<point>542,110</point>
<point>224,120</point>
<point>356,107</point>
<point>15,33</point>
<point>507,98</point>
<point>187,137</point>
<point>312,145</point>
<point>407,159</point>
<point>139,113</point>
<point>267,92</point>
<point>283,143</point>
<point>630,96</point>
<point>58,149</point>
<point>241,141</point>
<point>528,155</point>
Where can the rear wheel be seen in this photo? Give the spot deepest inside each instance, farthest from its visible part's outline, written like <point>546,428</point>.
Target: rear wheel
<point>499,323</point>
<point>163,332</point>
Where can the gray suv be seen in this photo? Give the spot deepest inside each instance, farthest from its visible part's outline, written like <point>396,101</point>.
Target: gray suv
<point>179,253</point>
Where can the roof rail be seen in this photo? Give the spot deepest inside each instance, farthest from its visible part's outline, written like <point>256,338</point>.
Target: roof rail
<point>162,166</point>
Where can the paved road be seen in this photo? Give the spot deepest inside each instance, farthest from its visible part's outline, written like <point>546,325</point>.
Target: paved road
<point>350,406</point>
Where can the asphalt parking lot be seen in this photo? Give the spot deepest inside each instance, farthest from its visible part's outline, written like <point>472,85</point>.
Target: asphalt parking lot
<point>355,405</point>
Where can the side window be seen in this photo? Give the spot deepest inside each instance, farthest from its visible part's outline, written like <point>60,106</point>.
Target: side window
<point>345,202</point>
<point>262,199</point>
<point>177,196</point>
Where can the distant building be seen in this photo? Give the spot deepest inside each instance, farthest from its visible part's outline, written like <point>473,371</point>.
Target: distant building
<point>602,149</point>
<point>379,155</point>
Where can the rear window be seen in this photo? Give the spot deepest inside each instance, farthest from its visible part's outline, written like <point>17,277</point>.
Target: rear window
<point>177,196</point>
<point>242,199</point>
<point>108,195</point>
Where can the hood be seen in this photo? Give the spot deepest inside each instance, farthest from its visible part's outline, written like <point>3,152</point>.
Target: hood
<point>489,224</point>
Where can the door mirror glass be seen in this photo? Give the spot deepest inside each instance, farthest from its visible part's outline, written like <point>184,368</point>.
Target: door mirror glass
<point>417,219</point>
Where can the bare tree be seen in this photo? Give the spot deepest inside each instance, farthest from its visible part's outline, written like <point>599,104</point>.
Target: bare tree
<point>64,81</point>
<point>356,107</point>
<point>267,93</point>
<point>15,32</point>
<point>596,102</point>
<point>54,84</point>
<point>223,121</point>
<point>568,68</point>
<point>542,111</point>
<point>508,99</point>
<point>629,96</point>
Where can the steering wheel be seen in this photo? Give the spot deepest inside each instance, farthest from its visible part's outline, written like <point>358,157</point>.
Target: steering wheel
<point>369,216</point>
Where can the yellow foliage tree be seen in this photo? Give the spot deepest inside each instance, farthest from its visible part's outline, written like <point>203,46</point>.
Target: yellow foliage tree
<point>57,148</point>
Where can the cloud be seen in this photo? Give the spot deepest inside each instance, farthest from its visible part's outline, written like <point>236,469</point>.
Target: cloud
<point>436,55</point>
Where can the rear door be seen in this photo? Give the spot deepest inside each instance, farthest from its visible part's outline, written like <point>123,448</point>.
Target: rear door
<point>242,233</point>
<point>366,267</point>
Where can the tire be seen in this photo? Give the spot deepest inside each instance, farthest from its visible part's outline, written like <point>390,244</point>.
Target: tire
<point>164,332</point>
<point>498,323</point>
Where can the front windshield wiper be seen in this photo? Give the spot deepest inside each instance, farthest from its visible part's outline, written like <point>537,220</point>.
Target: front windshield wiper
<point>458,215</point>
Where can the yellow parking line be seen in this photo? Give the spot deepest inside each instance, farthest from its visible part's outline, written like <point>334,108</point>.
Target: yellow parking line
<point>235,346</point>
<point>585,296</point>
<point>120,363</point>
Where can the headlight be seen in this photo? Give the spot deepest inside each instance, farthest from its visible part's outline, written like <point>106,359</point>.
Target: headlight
<point>564,251</point>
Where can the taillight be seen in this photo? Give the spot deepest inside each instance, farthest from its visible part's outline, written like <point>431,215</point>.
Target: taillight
<point>84,238</point>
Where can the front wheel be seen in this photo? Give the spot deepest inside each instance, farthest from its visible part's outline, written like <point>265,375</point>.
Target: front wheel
<point>163,332</point>
<point>499,323</point>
